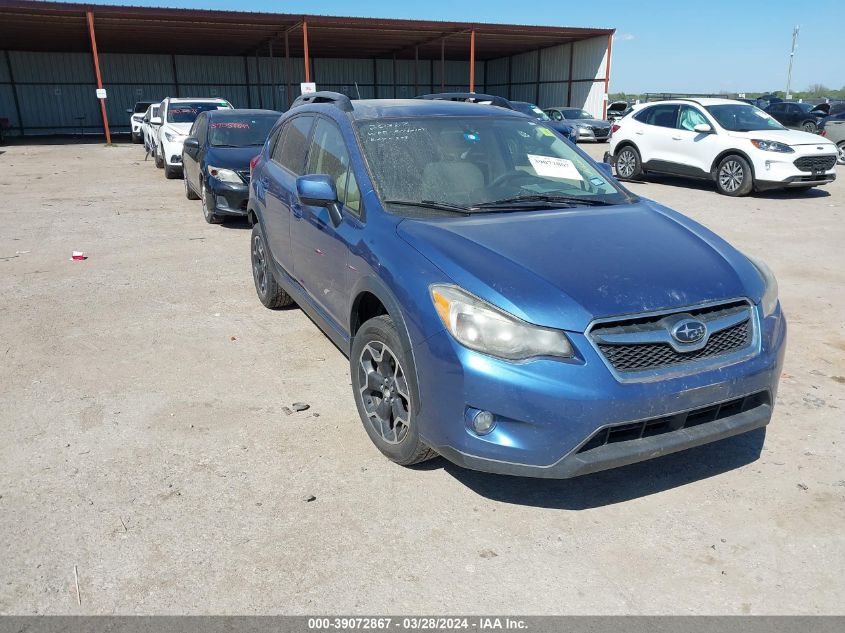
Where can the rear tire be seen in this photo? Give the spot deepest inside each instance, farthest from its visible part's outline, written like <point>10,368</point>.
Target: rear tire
<point>269,292</point>
<point>627,163</point>
<point>734,177</point>
<point>379,368</point>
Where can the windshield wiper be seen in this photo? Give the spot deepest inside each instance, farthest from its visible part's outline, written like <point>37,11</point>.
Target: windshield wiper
<point>431,204</point>
<point>543,200</point>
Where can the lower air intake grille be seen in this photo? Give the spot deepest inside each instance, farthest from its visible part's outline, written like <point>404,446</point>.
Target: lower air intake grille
<point>815,163</point>
<point>658,426</point>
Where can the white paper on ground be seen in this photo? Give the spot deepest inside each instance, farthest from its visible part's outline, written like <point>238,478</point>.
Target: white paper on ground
<point>552,167</point>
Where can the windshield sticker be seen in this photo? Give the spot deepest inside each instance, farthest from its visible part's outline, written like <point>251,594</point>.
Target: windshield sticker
<point>390,131</point>
<point>546,131</point>
<point>231,125</point>
<point>598,182</point>
<point>471,136</point>
<point>183,111</point>
<point>552,167</point>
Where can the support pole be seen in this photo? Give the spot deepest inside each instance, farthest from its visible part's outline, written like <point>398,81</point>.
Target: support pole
<point>90,15</point>
<point>394,76</point>
<point>260,84</point>
<point>607,75</point>
<point>289,92</point>
<point>472,61</point>
<point>537,85</point>
<point>571,66</point>
<point>305,51</point>
<point>443,65</point>
<point>248,87</point>
<point>510,76</point>
<point>273,77</point>
<point>416,72</point>
<point>14,92</point>
<point>175,75</point>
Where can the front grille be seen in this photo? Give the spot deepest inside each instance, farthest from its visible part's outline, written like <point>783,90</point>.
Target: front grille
<point>657,426</point>
<point>244,173</point>
<point>601,131</point>
<point>244,204</point>
<point>815,163</point>
<point>659,355</point>
<point>635,357</point>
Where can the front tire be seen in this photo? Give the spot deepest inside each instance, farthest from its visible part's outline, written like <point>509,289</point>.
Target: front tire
<point>840,148</point>
<point>137,138</point>
<point>270,293</point>
<point>207,213</point>
<point>159,160</point>
<point>810,126</point>
<point>172,173</point>
<point>379,366</point>
<point>734,177</point>
<point>627,163</point>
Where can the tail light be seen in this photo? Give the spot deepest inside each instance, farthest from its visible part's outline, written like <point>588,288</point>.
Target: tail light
<point>822,132</point>
<point>252,164</point>
<point>614,128</point>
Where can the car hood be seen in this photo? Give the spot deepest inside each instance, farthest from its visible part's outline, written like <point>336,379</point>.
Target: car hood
<point>565,268</point>
<point>559,126</point>
<point>231,157</point>
<point>790,137</point>
<point>179,128</point>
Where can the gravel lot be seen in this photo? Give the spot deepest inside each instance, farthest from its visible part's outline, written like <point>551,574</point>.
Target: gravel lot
<point>144,441</point>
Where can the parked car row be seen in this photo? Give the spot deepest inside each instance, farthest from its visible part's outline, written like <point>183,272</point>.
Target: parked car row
<point>733,144</point>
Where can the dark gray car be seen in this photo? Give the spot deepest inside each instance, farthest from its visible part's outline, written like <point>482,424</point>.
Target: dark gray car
<point>586,125</point>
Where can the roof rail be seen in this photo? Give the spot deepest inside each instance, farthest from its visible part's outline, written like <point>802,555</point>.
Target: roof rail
<point>469,97</point>
<point>325,96</point>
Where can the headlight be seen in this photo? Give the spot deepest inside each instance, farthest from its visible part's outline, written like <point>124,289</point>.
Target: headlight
<point>225,175</point>
<point>772,146</point>
<point>770,295</point>
<point>480,326</point>
<point>171,137</point>
<point>586,128</point>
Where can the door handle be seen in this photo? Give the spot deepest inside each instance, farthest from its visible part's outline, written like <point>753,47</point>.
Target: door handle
<point>676,138</point>
<point>296,210</point>
<point>640,132</point>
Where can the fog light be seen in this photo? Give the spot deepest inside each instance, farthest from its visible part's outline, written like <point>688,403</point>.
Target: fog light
<point>483,422</point>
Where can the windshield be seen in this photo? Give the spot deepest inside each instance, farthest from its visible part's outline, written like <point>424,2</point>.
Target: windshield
<point>530,109</point>
<point>246,132</point>
<point>738,117</point>
<point>187,112</point>
<point>574,113</point>
<point>463,162</point>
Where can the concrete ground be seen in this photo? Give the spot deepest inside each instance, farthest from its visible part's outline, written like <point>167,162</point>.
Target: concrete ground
<point>144,442</point>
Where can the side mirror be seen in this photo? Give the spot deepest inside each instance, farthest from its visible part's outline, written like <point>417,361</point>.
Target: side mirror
<point>156,120</point>
<point>607,168</point>
<point>703,128</point>
<point>319,191</point>
<point>191,144</point>
<point>130,111</point>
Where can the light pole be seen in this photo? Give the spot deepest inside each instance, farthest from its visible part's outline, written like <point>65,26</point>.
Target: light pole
<point>791,59</point>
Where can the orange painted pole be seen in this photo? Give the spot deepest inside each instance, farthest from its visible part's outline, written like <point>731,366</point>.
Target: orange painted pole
<point>607,74</point>
<point>472,61</point>
<point>90,15</point>
<point>305,49</point>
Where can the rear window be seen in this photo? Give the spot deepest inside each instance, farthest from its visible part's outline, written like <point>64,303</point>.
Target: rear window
<point>188,112</point>
<point>246,132</point>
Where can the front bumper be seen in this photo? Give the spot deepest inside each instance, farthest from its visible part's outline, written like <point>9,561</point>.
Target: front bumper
<point>779,171</point>
<point>172,151</point>
<point>548,410</point>
<point>228,198</point>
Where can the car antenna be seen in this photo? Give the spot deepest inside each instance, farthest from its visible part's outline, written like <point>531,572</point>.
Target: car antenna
<point>357,90</point>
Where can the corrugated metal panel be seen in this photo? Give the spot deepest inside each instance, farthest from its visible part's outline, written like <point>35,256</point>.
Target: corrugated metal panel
<point>125,96</point>
<point>201,69</point>
<point>526,92</point>
<point>524,67</point>
<point>554,63</point>
<point>52,107</point>
<point>497,71</point>
<point>594,103</point>
<point>4,73</point>
<point>52,67</point>
<point>7,105</point>
<point>384,72</point>
<point>500,90</point>
<point>334,71</point>
<point>125,68</point>
<point>553,94</point>
<point>589,58</point>
<point>236,95</point>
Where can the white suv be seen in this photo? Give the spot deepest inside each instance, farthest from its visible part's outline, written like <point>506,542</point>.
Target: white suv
<point>736,145</point>
<point>176,116</point>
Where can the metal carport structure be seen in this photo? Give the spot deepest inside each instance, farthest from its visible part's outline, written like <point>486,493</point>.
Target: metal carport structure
<point>56,54</point>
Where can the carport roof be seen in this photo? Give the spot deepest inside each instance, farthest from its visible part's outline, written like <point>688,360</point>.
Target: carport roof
<point>61,27</point>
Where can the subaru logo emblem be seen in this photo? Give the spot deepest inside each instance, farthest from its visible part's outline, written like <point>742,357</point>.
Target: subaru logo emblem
<point>689,331</point>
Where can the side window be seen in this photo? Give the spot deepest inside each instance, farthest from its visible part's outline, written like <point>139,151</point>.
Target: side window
<point>278,142</point>
<point>330,156</point>
<point>199,128</point>
<point>291,150</point>
<point>556,115</point>
<point>690,117</point>
<point>664,115</point>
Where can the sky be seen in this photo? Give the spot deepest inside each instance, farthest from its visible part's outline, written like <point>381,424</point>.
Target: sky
<point>660,46</point>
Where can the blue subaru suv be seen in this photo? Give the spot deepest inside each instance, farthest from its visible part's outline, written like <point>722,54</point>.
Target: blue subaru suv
<point>502,300</point>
